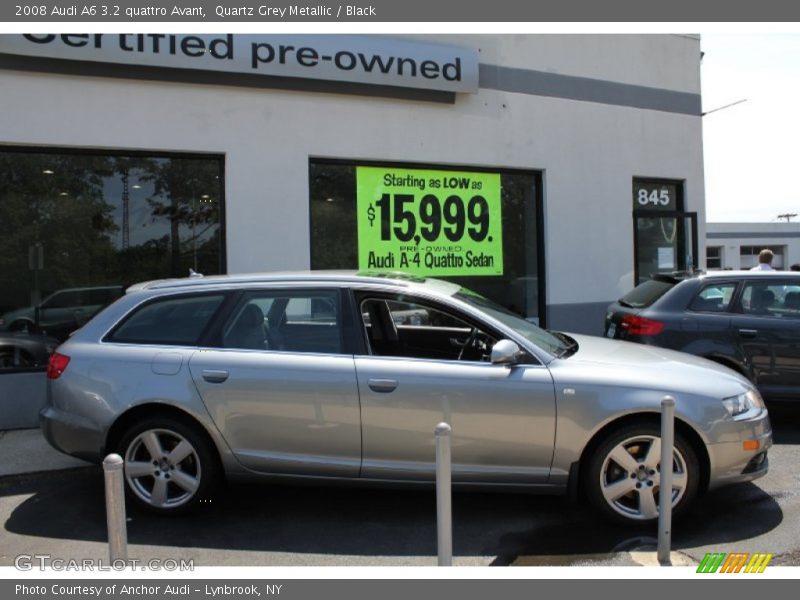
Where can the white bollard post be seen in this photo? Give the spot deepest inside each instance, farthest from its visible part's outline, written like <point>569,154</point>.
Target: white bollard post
<point>444,509</point>
<point>665,486</point>
<point>115,508</point>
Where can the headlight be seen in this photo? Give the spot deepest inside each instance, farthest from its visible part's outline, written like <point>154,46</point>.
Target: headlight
<point>737,405</point>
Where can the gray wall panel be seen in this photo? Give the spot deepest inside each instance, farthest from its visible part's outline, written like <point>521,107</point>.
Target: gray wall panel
<point>22,396</point>
<point>587,318</point>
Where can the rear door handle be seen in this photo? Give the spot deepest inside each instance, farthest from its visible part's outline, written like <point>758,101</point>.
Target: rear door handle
<point>382,386</point>
<point>215,375</point>
<point>748,333</point>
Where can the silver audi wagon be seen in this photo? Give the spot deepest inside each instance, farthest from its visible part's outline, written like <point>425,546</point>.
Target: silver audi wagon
<point>343,377</point>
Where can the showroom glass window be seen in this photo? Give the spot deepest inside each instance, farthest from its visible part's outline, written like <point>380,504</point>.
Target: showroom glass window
<point>520,287</point>
<point>76,228</point>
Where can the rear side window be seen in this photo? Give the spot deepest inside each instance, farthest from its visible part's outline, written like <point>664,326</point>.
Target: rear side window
<point>646,293</point>
<point>287,321</point>
<point>178,321</point>
<point>714,298</point>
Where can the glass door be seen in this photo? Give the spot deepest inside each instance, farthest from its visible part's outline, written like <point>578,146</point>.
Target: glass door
<point>664,242</point>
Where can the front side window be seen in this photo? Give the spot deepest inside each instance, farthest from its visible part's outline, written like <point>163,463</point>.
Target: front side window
<point>288,321</point>
<point>776,299</point>
<point>400,326</point>
<point>172,321</point>
<point>556,344</point>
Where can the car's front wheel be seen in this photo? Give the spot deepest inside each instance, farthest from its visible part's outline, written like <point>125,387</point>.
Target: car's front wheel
<point>623,475</point>
<point>169,465</point>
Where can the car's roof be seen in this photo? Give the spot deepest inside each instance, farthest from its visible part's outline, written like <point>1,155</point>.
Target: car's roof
<point>748,273</point>
<point>391,278</point>
<point>684,276</point>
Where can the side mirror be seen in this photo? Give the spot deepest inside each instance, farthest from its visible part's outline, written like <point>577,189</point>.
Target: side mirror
<point>506,352</point>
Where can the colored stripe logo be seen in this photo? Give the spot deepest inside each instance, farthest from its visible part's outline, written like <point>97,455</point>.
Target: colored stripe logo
<point>737,562</point>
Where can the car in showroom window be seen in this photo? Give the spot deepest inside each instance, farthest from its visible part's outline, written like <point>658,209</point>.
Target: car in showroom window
<point>748,321</point>
<point>78,225</point>
<point>345,376</point>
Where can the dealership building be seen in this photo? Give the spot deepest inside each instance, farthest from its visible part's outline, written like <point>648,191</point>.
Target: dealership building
<point>547,172</point>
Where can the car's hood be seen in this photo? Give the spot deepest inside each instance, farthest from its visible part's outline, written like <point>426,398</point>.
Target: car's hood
<point>652,367</point>
<point>606,351</point>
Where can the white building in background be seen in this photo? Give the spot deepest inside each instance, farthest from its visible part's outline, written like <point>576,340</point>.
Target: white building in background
<point>736,245</point>
<point>160,153</point>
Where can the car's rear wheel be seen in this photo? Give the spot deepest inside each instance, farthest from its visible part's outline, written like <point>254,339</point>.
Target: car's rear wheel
<point>623,478</point>
<point>169,466</point>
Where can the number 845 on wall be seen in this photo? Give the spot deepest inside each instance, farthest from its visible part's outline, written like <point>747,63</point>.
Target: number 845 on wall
<point>655,197</point>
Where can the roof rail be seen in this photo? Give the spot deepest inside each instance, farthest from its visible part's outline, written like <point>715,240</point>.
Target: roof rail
<point>398,279</point>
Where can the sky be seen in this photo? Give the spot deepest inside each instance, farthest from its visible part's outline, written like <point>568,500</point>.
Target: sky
<point>752,150</point>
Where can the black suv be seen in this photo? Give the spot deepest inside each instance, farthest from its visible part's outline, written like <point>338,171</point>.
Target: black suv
<point>746,320</point>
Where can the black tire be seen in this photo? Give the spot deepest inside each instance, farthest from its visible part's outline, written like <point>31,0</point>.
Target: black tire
<point>184,475</point>
<point>623,472</point>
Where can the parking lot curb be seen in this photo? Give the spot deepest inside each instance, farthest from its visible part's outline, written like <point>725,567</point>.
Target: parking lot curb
<point>648,557</point>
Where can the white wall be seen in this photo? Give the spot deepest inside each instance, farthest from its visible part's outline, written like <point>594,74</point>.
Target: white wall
<point>589,152</point>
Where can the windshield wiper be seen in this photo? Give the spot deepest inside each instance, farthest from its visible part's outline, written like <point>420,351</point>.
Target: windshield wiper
<point>570,348</point>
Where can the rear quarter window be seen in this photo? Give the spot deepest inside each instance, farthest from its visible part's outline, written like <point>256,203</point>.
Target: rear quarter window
<point>714,298</point>
<point>646,293</point>
<point>178,321</point>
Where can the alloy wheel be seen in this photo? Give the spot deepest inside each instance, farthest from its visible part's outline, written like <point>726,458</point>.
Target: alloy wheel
<point>630,477</point>
<point>162,468</point>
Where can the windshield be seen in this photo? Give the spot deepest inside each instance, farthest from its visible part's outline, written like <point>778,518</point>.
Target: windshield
<point>543,339</point>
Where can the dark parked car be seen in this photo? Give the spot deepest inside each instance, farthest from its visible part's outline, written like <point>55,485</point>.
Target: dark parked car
<point>62,312</point>
<point>746,320</point>
<point>20,350</point>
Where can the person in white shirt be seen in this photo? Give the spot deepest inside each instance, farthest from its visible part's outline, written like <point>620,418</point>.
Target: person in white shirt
<point>764,261</point>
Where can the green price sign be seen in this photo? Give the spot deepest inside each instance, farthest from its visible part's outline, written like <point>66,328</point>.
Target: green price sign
<point>426,222</point>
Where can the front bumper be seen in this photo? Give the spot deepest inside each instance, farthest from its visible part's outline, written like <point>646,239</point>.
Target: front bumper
<point>72,434</point>
<point>731,463</point>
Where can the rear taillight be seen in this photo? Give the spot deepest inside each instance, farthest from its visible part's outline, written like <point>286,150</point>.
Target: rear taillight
<point>635,325</point>
<point>57,365</point>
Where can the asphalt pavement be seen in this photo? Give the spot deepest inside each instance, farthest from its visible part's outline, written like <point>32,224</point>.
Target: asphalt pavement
<point>58,509</point>
<point>26,451</point>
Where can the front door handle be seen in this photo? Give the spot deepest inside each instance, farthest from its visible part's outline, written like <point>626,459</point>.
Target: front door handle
<point>382,386</point>
<point>215,375</point>
<point>748,333</point>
